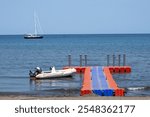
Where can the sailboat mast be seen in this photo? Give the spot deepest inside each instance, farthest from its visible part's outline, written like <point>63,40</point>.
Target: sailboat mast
<point>35,24</point>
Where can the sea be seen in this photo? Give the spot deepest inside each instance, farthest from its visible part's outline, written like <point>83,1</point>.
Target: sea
<point>19,55</point>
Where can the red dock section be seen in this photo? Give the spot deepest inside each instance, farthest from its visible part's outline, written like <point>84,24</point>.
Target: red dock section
<point>112,84</point>
<point>87,82</point>
<point>120,69</point>
<point>78,68</point>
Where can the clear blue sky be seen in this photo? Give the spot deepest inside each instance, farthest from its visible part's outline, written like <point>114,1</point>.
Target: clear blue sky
<point>75,16</point>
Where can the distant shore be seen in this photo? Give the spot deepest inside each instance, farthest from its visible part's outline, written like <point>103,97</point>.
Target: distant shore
<point>26,97</point>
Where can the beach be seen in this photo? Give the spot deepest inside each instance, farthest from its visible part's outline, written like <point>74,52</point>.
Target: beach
<point>25,97</point>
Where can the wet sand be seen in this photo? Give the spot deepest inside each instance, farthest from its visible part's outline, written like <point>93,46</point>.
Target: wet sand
<point>26,97</point>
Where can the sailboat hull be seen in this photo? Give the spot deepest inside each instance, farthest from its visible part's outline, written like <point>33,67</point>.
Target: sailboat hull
<point>33,37</point>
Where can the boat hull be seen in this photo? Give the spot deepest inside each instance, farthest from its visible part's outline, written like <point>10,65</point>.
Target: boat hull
<point>33,37</point>
<point>57,74</point>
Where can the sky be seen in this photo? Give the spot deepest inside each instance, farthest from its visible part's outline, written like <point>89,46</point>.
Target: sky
<point>75,16</point>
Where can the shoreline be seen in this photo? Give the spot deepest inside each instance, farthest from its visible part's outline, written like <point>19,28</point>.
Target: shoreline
<point>26,97</point>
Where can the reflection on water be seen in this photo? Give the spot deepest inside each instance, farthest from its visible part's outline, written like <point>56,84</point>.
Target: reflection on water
<point>66,86</point>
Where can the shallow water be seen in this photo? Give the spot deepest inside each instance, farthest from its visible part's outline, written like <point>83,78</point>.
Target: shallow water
<point>18,56</point>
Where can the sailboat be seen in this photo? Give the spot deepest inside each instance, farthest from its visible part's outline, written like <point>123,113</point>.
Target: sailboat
<point>35,35</point>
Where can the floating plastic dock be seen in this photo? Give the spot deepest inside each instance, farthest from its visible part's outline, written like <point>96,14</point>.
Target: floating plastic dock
<point>87,82</point>
<point>112,84</point>
<point>99,83</point>
<point>99,80</point>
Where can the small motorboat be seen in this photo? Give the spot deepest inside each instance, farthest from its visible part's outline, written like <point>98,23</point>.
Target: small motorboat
<point>52,73</point>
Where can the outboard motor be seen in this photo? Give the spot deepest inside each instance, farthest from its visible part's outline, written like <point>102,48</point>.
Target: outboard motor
<point>38,70</point>
<point>31,74</point>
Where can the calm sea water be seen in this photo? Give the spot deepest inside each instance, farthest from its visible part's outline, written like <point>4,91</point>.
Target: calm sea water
<point>19,55</point>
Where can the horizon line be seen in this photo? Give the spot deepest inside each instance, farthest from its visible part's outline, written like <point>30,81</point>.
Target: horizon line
<point>84,34</point>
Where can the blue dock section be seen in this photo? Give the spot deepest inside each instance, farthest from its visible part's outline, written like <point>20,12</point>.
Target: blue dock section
<point>99,83</point>
<point>96,84</point>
